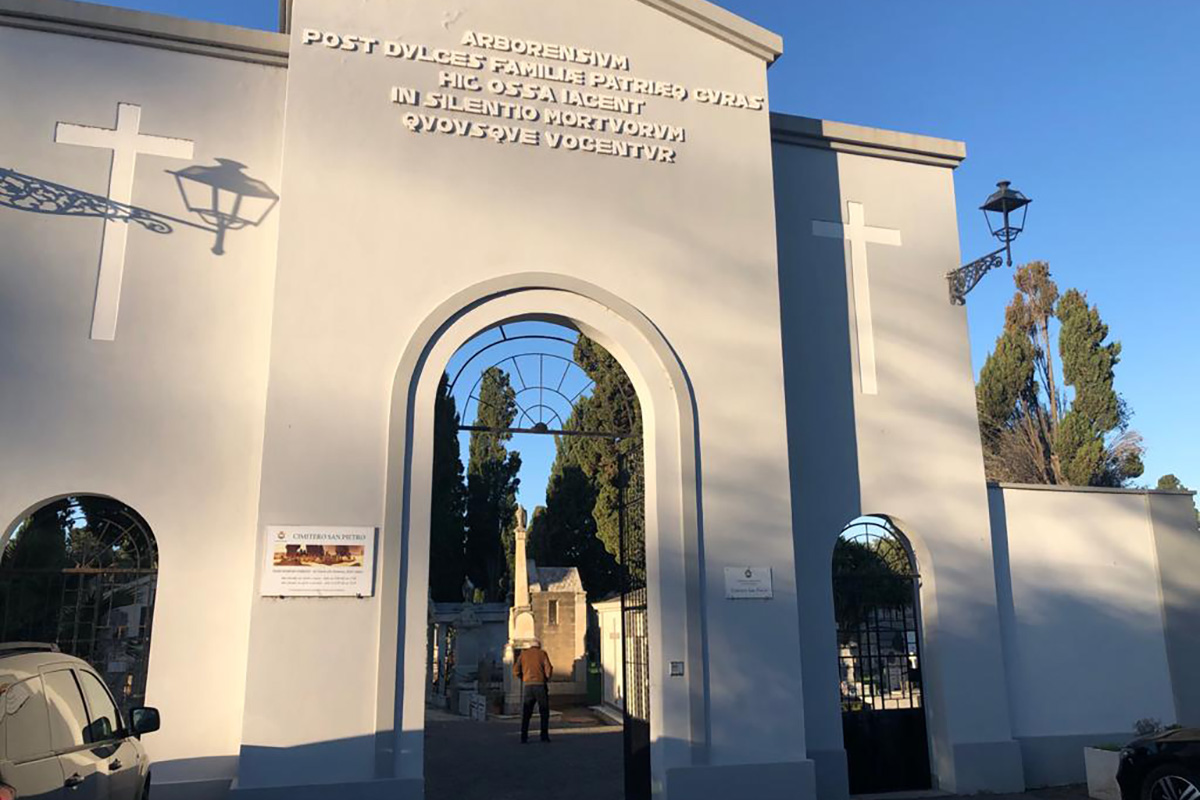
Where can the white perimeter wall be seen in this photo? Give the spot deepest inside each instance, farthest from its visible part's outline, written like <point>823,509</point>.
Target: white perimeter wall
<point>1080,611</point>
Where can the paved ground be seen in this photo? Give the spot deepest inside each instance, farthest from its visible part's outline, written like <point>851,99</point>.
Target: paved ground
<point>1075,792</point>
<point>467,760</point>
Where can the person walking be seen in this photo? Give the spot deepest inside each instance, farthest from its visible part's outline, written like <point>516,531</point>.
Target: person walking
<point>533,667</point>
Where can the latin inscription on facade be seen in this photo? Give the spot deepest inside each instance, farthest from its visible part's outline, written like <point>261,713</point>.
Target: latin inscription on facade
<point>540,94</point>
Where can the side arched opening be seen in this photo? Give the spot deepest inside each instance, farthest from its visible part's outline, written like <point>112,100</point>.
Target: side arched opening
<point>81,572</point>
<point>876,590</point>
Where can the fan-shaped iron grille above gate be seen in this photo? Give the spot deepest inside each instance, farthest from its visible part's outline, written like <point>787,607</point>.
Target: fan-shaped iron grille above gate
<point>876,592</point>
<point>81,572</point>
<point>549,385</point>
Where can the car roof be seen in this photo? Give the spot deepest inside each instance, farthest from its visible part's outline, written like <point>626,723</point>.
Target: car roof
<point>24,659</point>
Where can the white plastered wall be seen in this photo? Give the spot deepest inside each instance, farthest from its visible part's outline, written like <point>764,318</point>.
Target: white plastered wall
<point>382,225</point>
<point>907,448</point>
<point>168,417</point>
<point>1081,613</point>
<point>920,463</point>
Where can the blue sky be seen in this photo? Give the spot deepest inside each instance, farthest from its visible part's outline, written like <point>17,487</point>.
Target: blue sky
<point>1091,107</point>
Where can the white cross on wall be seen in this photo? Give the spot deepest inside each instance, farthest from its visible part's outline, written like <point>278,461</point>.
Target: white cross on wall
<point>859,234</point>
<point>126,143</point>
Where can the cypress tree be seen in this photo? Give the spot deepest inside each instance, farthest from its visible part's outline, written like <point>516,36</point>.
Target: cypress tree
<point>492,488</point>
<point>1005,380</point>
<point>447,523</point>
<point>565,531</point>
<point>581,525</point>
<point>1030,432</point>
<point>612,407</point>
<point>1097,411</point>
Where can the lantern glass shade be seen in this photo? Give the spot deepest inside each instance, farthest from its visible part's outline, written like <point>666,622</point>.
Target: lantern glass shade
<point>225,195</point>
<point>1000,212</point>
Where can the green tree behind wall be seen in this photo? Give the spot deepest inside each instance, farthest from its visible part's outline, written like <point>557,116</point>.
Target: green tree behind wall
<point>1036,431</point>
<point>564,533</point>
<point>581,524</point>
<point>492,488</point>
<point>612,407</point>
<point>448,510</point>
<point>1170,483</point>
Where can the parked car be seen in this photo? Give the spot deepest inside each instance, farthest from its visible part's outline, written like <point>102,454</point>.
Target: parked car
<point>61,735</point>
<point>1162,766</point>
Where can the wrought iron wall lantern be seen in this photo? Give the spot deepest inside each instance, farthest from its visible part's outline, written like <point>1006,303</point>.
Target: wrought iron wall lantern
<point>225,197</point>
<point>1000,211</point>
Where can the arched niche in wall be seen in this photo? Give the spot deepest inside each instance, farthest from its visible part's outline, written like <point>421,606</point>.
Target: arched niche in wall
<point>876,595</point>
<point>81,572</point>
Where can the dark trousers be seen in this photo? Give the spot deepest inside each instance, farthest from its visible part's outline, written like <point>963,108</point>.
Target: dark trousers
<point>535,694</point>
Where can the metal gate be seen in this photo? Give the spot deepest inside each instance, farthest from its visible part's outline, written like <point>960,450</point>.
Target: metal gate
<point>82,573</point>
<point>631,485</point>
<point>876,592</point>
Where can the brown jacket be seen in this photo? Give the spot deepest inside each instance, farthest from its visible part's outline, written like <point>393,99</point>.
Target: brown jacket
<point>533,666</point>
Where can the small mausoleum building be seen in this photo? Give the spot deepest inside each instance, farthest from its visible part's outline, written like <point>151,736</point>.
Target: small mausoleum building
<point>235,265</point>
<point>560,615</point>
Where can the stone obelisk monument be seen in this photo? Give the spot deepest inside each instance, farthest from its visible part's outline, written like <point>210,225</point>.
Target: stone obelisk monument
<point>521,631</point>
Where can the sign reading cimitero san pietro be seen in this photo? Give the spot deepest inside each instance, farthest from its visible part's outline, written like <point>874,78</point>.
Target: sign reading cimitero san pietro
<point>311,561</point>
<point>515,91</point>
<point>749,583</point>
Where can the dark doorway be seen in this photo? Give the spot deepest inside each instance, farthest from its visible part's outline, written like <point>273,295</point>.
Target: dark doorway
<point>81,572</point>
<point>876,601</point>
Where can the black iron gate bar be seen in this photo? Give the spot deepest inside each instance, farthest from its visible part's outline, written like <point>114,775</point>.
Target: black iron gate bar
<point>875,656</point>
<point>542,430</point>
<point>635,638</point>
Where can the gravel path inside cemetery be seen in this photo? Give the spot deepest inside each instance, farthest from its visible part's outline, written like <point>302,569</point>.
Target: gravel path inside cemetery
<point>467,760</point>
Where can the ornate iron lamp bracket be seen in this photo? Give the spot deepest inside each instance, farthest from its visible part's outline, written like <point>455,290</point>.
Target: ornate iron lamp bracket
<point>1005,201</point>
<point>968,276</point>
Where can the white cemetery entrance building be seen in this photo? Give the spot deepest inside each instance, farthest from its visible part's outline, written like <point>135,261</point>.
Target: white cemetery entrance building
<point>223,406</point>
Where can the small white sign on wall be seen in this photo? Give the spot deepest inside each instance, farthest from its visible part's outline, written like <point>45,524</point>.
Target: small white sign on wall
<point>310,561</point>
<point>748,583</point>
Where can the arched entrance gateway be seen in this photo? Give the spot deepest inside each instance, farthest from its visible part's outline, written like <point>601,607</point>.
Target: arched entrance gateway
<point>661,597</point>
<point>535,415</point>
